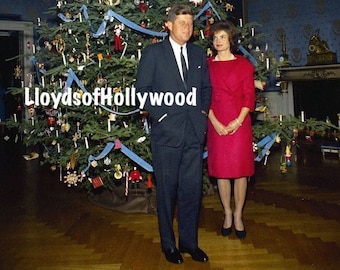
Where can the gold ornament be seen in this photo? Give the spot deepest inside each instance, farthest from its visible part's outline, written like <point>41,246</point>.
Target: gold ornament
<point>112,2</point>
<point>17,72</point>
<point>277,139</point>
<point>72,178</point>
<point>60,47</point>
<point>73,159</point>
<point>118,174</point>
<point>229,7</point>
<point>65,127</point>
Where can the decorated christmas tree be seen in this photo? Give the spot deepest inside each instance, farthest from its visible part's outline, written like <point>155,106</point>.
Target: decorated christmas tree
<point>79,104</point>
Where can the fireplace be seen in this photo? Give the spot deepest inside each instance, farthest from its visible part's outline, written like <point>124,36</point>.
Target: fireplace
<point>318,99</point>
<point>312,89</point>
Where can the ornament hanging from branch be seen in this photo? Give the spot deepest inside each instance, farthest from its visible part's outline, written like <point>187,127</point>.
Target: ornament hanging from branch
<point>124,50</point>
<point>196,2</point>
<point>143,6</point>
<point>229,7</point>
<point>111,2</point>
<point>118,38</point>
<point>17,72</point>
<point>59,43</point>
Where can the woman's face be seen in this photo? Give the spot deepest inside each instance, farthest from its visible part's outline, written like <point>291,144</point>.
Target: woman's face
<point>221,41</point>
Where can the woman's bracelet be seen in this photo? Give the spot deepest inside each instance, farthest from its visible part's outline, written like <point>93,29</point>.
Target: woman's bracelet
<point>238,122</point>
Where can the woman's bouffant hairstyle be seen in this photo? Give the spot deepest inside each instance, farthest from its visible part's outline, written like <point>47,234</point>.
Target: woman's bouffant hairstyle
<point>231,30</point>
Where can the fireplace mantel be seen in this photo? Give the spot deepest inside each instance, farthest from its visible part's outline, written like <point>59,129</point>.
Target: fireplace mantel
<point>321,72</point>
<point>283,102</point>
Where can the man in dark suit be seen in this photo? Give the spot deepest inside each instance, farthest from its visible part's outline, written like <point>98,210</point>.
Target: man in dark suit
<point>178,130</point>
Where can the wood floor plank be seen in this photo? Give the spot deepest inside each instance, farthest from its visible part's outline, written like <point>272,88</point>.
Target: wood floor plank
<point>291,223</point>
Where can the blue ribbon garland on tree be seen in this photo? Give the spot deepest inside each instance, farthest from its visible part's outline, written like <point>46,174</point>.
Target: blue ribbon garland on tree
<point>37,69</point>
<point>267,142</point>
<point>73,77</point>
<point>126,151</point>
<point>109,15</point>
<point>207,6</point>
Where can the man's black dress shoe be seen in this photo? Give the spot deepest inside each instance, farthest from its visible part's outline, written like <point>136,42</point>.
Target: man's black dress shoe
<point>173,255</point>
<point>197,254</point>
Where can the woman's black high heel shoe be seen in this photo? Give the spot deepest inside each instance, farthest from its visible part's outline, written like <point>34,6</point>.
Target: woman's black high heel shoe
<point>241,234</point>
<point>227,231</point>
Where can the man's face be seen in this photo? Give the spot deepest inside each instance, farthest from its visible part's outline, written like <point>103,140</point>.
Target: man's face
<point>181,28</point>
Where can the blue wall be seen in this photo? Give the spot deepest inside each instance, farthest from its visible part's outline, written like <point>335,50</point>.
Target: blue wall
<point>298,20</point>
<point>25,10</point>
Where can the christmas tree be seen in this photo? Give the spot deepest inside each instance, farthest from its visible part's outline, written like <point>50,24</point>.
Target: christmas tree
<point>79,103</point>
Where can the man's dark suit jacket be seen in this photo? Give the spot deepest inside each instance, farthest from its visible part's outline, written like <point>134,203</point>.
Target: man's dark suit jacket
<point>158,72</point>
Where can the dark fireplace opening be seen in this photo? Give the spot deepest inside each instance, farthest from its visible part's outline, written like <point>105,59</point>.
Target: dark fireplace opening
<point>318,99</point>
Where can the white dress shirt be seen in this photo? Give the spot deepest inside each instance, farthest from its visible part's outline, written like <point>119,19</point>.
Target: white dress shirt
<point>177,51</point>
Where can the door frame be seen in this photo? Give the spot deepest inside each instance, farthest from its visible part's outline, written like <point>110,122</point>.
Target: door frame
<point>25,37</point>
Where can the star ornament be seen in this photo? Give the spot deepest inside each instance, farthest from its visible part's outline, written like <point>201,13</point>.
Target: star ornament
<point>229,7</point>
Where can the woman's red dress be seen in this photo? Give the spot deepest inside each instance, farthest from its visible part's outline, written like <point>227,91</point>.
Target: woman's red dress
<point>231,156</point>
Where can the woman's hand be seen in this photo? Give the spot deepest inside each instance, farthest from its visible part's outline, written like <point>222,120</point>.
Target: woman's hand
<point>220,128</point>
<point>233,126</point>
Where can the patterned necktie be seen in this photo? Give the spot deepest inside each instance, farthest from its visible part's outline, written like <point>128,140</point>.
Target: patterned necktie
<point>184,66</point>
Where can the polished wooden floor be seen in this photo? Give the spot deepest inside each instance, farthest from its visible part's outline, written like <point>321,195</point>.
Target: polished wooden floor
<point>292,221</point>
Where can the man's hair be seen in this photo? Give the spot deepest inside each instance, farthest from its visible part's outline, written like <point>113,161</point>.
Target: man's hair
<point>178,9</point>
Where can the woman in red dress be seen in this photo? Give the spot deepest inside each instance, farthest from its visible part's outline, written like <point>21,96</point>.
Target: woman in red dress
<point>229,138</point>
